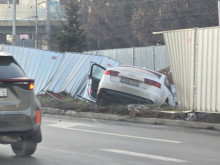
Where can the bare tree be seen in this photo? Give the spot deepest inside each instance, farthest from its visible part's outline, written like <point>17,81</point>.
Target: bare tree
<point>108,24</point>
<point>150,16</point>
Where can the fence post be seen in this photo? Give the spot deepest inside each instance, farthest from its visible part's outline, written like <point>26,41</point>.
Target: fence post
<point>133,57</point>
<point>153,53</point>
<point>195,62</point>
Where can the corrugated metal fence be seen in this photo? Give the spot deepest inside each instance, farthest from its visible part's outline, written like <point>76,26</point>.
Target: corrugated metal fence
<point>195,56</point>
<point>151,57</point>
<point>57,72</point>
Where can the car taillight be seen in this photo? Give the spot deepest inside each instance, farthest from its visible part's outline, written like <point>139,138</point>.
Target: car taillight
<point>38,116</point>
<point>152,82</point>
<point>111,73</point>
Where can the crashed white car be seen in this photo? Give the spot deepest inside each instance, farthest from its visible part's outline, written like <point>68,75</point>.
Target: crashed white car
<point>127,84</point>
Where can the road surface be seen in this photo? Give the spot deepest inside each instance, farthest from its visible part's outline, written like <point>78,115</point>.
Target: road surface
<point>77,141</point>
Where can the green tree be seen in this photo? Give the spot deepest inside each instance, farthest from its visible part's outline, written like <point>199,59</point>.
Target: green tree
<point>72,38</point>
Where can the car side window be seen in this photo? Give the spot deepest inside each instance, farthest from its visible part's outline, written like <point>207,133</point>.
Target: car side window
<point>97,72</point>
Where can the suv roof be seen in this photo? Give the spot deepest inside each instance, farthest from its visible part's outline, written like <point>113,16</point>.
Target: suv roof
<point>5,54</point>
<point>9,68</point>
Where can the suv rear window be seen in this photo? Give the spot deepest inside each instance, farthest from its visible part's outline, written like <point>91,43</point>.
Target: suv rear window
<point>9,68</point>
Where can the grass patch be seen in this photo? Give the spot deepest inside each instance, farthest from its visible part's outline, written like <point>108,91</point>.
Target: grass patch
<point>66,102</point>
<point>113,109</point>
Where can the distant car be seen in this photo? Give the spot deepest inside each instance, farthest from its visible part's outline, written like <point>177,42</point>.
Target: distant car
<point>127,84</point>
<point>20,110</point>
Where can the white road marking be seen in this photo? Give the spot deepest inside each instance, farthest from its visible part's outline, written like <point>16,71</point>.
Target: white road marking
<point>52,121</point>
<point>148,156</point>
<point>68,125</point>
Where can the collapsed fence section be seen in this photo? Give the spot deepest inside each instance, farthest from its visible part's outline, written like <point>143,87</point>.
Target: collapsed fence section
<point>57,72</point>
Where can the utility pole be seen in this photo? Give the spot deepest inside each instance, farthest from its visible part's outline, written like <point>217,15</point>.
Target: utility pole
<point>36,34</point>
<point>14,24</point>
<point>219,12</point>
<point>48,26</point>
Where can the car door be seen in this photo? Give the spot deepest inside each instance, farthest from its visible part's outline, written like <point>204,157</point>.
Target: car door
<point>95,75</point>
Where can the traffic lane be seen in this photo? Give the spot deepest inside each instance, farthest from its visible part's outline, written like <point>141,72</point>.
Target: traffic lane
<point>195,146</point>
<point>64,146</point>
<point>88,148</point>
<point>7,158</point>
<point>71,145</point>
<point>96,148</point>
<point>190,137</point>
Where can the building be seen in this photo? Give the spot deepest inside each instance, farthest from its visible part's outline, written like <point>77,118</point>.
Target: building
<point>26,20</point>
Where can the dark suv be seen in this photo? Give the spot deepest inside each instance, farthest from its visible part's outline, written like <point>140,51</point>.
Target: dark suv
<point>20,110</point>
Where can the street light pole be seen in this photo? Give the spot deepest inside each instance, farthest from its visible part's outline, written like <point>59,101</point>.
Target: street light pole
<point>48,25</point>
<point>219,12</point>
<point>36,35</point>
<point>14,24</point>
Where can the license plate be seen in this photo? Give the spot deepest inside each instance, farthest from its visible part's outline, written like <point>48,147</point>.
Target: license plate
<point>129,81</point>
<point>3,92</point>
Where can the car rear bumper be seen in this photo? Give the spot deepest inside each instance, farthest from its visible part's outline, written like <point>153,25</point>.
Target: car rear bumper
<point>17,122</point>
<point>121,97</point>
<point>21,120</point>
<point>14,127</point>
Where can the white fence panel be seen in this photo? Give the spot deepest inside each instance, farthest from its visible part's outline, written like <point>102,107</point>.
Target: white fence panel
<point>124,56</point>
<point>161,57</point>
<point>208,70</point>
<point>144,57</point>
<point>194,56</point>
<point>151,57</point>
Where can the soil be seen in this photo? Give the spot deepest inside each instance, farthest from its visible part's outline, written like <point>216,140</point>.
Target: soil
<point>66,102</point>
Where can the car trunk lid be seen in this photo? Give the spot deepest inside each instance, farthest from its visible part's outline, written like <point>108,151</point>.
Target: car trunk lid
<point>136,77</point>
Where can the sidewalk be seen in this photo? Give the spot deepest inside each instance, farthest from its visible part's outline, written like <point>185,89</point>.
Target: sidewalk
<point>156,121</point>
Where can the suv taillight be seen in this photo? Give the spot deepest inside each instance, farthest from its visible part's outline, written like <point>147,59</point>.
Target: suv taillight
<point>31,85</point>
<point>38,116</point>
<point>152,82</point>
<point>27,82</point>
<point>111,73</point>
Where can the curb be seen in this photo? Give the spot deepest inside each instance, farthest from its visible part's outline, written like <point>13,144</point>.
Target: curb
<point>156,121</point>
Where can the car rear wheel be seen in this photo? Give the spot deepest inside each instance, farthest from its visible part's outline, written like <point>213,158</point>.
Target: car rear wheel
<point>24,148</point>
<point>100,101</point>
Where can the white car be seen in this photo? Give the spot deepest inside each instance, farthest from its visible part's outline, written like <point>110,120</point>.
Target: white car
<point>127,84</point>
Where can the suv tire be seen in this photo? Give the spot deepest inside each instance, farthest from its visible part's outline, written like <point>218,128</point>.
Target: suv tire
<point>24,148</point>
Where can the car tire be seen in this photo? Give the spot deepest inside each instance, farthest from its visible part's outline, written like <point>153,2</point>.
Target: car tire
<point>24,148</point>
<point>100,101</point>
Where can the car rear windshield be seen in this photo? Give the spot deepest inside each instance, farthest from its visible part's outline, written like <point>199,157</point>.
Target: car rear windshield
<point>10,69</point>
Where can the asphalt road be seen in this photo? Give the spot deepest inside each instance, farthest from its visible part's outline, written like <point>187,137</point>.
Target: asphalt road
<point>75,141</point>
